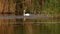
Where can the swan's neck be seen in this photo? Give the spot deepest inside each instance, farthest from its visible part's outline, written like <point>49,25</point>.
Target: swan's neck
<point>24,12</point>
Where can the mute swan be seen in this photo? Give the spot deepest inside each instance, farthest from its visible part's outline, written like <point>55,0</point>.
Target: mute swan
<point>26,14</point>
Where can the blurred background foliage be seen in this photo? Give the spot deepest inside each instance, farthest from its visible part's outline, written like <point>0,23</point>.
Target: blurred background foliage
<point>45,6</point>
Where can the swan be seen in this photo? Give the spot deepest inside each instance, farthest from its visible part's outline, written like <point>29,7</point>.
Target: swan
<point>26,14</point>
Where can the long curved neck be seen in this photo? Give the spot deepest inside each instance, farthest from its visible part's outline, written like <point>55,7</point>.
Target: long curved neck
<point>24,12</point>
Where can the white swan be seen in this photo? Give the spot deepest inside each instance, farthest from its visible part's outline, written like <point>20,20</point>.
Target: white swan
<point>26,14</point>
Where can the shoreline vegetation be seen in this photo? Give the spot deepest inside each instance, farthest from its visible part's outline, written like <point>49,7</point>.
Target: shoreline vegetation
<point>30,26</point>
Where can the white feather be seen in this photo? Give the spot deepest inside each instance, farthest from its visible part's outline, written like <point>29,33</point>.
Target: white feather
<point>27,14</point>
